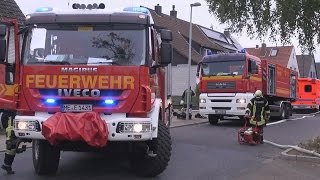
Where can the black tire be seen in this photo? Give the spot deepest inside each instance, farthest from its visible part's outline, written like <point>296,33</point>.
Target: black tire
<point>45,157</point>
<point>213,120</point>
<point>288,111</point>
<point>145,166</point>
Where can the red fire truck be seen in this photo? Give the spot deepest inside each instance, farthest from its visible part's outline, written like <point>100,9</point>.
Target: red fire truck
<point>308,96</point>
<point>89,79</point>
<point>228,81</point>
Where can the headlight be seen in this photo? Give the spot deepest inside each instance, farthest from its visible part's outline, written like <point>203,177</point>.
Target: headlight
<point>22,125</point>
<point>137,128</point>
<point>134,127</point>
<point>241,101</point>
<point>27,125</point>
<point>202,100</point>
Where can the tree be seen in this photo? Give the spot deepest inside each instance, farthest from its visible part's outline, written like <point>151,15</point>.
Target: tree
<point>272,18</point>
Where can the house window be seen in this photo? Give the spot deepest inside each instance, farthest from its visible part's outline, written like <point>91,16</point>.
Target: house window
<point>273,52</point>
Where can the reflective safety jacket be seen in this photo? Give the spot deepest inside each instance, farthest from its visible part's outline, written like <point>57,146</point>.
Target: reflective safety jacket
<point>258,109</point>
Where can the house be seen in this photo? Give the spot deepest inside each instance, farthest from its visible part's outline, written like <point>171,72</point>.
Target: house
<point>307,66</point>
<point>204,41</point>
<point>318,70</point>
<point>10,9</point>
<point>283,55</point>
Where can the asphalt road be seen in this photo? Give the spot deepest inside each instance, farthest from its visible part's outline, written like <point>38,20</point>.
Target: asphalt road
<point>199,152</point>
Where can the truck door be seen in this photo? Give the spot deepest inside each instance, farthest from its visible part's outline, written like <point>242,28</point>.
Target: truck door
<point>293,86</point>
<point>253,70</point>
<point>9,56</point>
<point>271,79</point>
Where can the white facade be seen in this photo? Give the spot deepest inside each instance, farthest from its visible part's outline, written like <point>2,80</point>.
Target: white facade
<point>180,78</point>
<point>293,63</point>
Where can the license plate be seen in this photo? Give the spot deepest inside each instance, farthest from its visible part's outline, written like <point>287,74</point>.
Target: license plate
<point>76,107</point>
<point>220,111</point>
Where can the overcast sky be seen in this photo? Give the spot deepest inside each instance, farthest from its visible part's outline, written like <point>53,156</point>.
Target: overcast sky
<point>200,15</point>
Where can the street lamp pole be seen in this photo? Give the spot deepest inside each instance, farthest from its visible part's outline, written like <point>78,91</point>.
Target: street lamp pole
<point>188,92</point>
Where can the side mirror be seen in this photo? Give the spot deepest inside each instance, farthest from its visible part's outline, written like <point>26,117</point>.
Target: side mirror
<point>166,35</point>
<point>3,42</point>
<point>166,53</point>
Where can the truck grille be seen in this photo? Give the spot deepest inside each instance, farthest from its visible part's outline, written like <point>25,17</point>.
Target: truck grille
<point>54,92</point>
<point>221,85</point>
<point>221,108</point>
<point>221,100</point>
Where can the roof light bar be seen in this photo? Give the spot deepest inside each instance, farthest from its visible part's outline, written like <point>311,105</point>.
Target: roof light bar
<point>88,6</point>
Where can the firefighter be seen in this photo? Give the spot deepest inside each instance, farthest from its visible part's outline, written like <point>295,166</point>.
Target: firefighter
<point>258,110</point>
<point>184,100</point>
<point>11,139</point>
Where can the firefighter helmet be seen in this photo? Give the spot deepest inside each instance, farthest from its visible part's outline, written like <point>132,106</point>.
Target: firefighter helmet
<point>258,93</point>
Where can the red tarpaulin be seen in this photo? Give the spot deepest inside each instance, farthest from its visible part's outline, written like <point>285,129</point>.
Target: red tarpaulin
<point>88,127</point>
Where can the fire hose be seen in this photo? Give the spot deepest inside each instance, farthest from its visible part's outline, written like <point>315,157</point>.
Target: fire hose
<point>295,147</point>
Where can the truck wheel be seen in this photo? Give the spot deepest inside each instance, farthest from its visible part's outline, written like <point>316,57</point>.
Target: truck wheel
<point>288,111</point>
<point>145,166</point>
<point>213,120</point>
<point>45,157</point>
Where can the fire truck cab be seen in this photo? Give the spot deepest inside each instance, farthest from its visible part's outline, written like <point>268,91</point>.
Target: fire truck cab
<point>89,63</point>
<point>309,95</point>
<point>227,83</point>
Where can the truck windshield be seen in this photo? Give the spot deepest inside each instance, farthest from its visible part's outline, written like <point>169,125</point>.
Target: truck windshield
<point>223,68</point>
<point>76,45</point>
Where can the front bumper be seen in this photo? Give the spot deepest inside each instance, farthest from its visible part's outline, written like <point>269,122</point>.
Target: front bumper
<point>225,104</point>
<point>233,112</point>
<point>304,106</point>
<point>29,127</point>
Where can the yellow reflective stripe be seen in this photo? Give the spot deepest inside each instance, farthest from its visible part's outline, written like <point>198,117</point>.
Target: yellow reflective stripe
<point>9,121</point>
<point>262,115</point>
<point>11,152</point>
<point>259,122</point>
<point>247,109</point>
<point>250,103</point>
<point>266,104</point>
<point>254,110</point>
<point>268,112</point>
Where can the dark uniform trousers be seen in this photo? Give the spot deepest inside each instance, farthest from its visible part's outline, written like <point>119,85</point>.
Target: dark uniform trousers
<point>10,140</point>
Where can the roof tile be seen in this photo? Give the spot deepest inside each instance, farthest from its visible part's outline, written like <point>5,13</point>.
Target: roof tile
<point>10,9</point>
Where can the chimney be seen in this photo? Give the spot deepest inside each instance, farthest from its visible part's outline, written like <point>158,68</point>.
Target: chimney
<point>173,12</point>
<point>227,33</point>
<point>158,9</point>
<point>263,51</point>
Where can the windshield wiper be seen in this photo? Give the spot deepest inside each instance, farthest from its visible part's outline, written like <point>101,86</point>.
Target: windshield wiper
<point>113,62</point>
<point>50,62</point>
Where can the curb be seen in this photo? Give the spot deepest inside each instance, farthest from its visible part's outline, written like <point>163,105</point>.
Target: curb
<point>286,156</point>
<point>191,124</point>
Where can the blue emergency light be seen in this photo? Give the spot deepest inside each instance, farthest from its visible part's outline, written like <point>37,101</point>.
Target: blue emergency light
<point>50,101</point>
<point>137,9</point>
<point>243,50</point>
<point>44,9</point>
<point>109,102</point>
